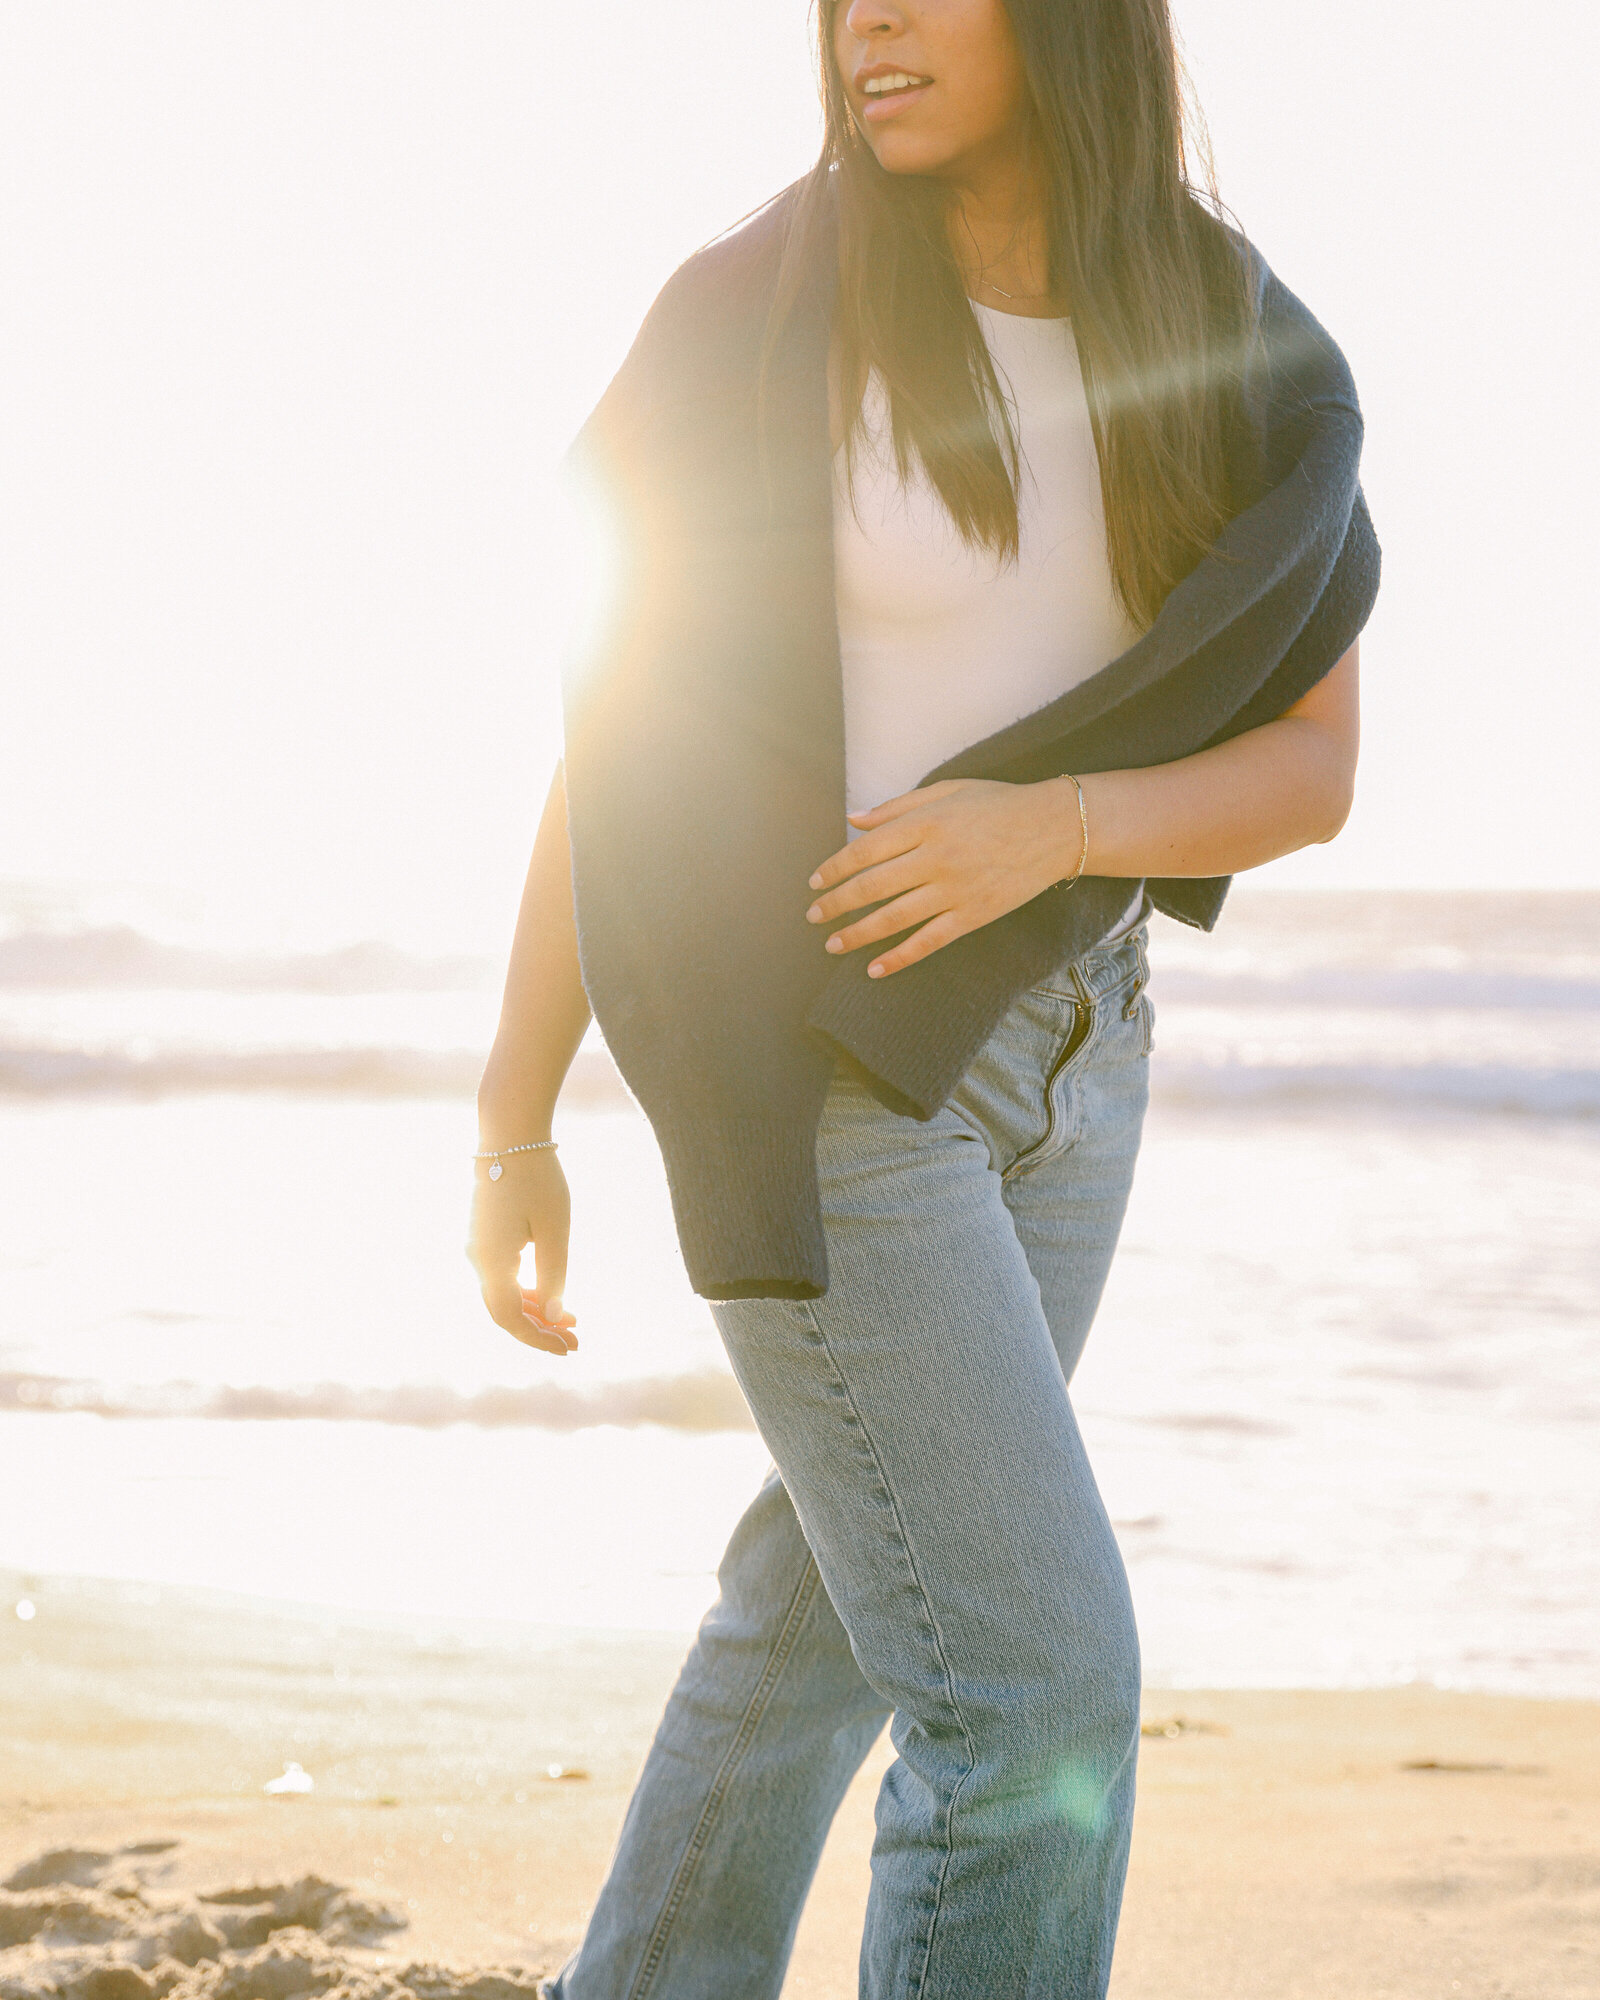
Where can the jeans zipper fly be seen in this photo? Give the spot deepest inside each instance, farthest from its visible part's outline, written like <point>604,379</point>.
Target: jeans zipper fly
<point>1082,1016</point>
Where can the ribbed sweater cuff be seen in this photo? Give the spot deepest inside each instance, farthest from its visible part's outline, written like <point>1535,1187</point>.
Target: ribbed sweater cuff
<point>747,1206</point>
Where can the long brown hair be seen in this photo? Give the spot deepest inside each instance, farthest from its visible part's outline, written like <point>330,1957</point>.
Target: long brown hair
<point>1158,287</point>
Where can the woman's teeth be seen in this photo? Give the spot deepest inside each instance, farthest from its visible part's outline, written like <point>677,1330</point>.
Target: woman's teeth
<point>879,86</point>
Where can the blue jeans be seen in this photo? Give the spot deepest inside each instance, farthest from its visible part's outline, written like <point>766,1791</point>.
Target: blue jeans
<point>930,1549</point>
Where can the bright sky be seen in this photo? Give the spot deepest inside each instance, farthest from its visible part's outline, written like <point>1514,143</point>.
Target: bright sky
<point>302,299</point>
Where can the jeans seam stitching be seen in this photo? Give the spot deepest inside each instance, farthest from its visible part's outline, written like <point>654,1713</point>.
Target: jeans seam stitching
<point>939,1649</point>
<point>777,1659</point>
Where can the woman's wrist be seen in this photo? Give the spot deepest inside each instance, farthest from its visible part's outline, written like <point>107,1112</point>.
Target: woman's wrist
<point>1103,798</point>
<point>509,1113</point>
<point>1062,844</point>
<point>1084,825</point>
<point>503,1125</point>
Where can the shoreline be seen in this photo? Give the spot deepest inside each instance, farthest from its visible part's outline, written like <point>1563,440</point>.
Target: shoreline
<point>1402,1841</point>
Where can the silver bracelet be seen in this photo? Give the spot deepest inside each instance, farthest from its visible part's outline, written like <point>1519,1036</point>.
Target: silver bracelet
<point>533,1146</point>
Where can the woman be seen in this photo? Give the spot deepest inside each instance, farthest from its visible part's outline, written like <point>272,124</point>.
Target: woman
<point>985,485</point>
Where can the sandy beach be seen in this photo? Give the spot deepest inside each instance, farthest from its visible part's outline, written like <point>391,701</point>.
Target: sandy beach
<point>469,1781</point>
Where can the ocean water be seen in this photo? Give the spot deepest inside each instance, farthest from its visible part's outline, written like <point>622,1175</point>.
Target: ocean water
<point>1343,1396</point>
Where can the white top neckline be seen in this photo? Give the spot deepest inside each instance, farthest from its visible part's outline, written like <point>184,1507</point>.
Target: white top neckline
<point>1027,319</point>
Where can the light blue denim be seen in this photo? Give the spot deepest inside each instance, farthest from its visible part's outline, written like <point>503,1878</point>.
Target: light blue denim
<point>930,1549</point>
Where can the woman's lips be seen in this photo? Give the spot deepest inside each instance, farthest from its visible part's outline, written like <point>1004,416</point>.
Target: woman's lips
<point>891,103</point>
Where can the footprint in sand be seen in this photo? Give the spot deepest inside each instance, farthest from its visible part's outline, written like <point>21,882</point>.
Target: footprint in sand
<point>83,1924</point>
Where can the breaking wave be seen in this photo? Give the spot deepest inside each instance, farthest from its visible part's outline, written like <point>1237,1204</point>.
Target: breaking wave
<point>1540,1092</point>
<point>1486,1087</point>
<point>358,1072</point>
<point>706,1401</point>
<point>118,956</point>
<point>1402,987</point>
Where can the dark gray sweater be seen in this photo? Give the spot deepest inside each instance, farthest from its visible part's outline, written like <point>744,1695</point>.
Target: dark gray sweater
<point>705,740</point>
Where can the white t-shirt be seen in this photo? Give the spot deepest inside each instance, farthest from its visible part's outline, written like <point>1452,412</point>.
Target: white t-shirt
<point>942,644</point>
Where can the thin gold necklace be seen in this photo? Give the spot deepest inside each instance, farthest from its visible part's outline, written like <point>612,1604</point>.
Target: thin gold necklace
<point>1016,298</point>
<point>1024,297</point>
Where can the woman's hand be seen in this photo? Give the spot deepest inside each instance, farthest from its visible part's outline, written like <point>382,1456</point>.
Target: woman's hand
<point>948,857</point>
<point>528,1204</point>
<point>541,1024</point>
<point>951,856</point>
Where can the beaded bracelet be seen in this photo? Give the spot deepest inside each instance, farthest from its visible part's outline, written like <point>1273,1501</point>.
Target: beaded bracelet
<point>533,1146</point>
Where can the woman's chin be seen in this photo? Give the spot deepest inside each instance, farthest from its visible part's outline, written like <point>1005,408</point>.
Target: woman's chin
<point>911,153</point>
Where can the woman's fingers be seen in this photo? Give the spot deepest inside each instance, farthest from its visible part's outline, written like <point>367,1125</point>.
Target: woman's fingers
<point>911,908</point>
<point>949,857</point>
<point>903,802</point>
<point>503,1296</point>
<point>559,1328</point>
<point>883,844</point>
<point>887,831</point>
<point>547,1339</point>
<point>872,885</point>
<point>543,1301</point>
<point>941,930</point>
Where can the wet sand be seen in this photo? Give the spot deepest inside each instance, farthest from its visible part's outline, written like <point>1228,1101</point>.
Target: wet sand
<point>1293,1846</point>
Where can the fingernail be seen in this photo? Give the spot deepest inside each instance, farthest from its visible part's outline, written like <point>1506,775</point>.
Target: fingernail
<point>834,944</point>
<point>814,914</point>
<point>815,882</point>
<point>874,971</point>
